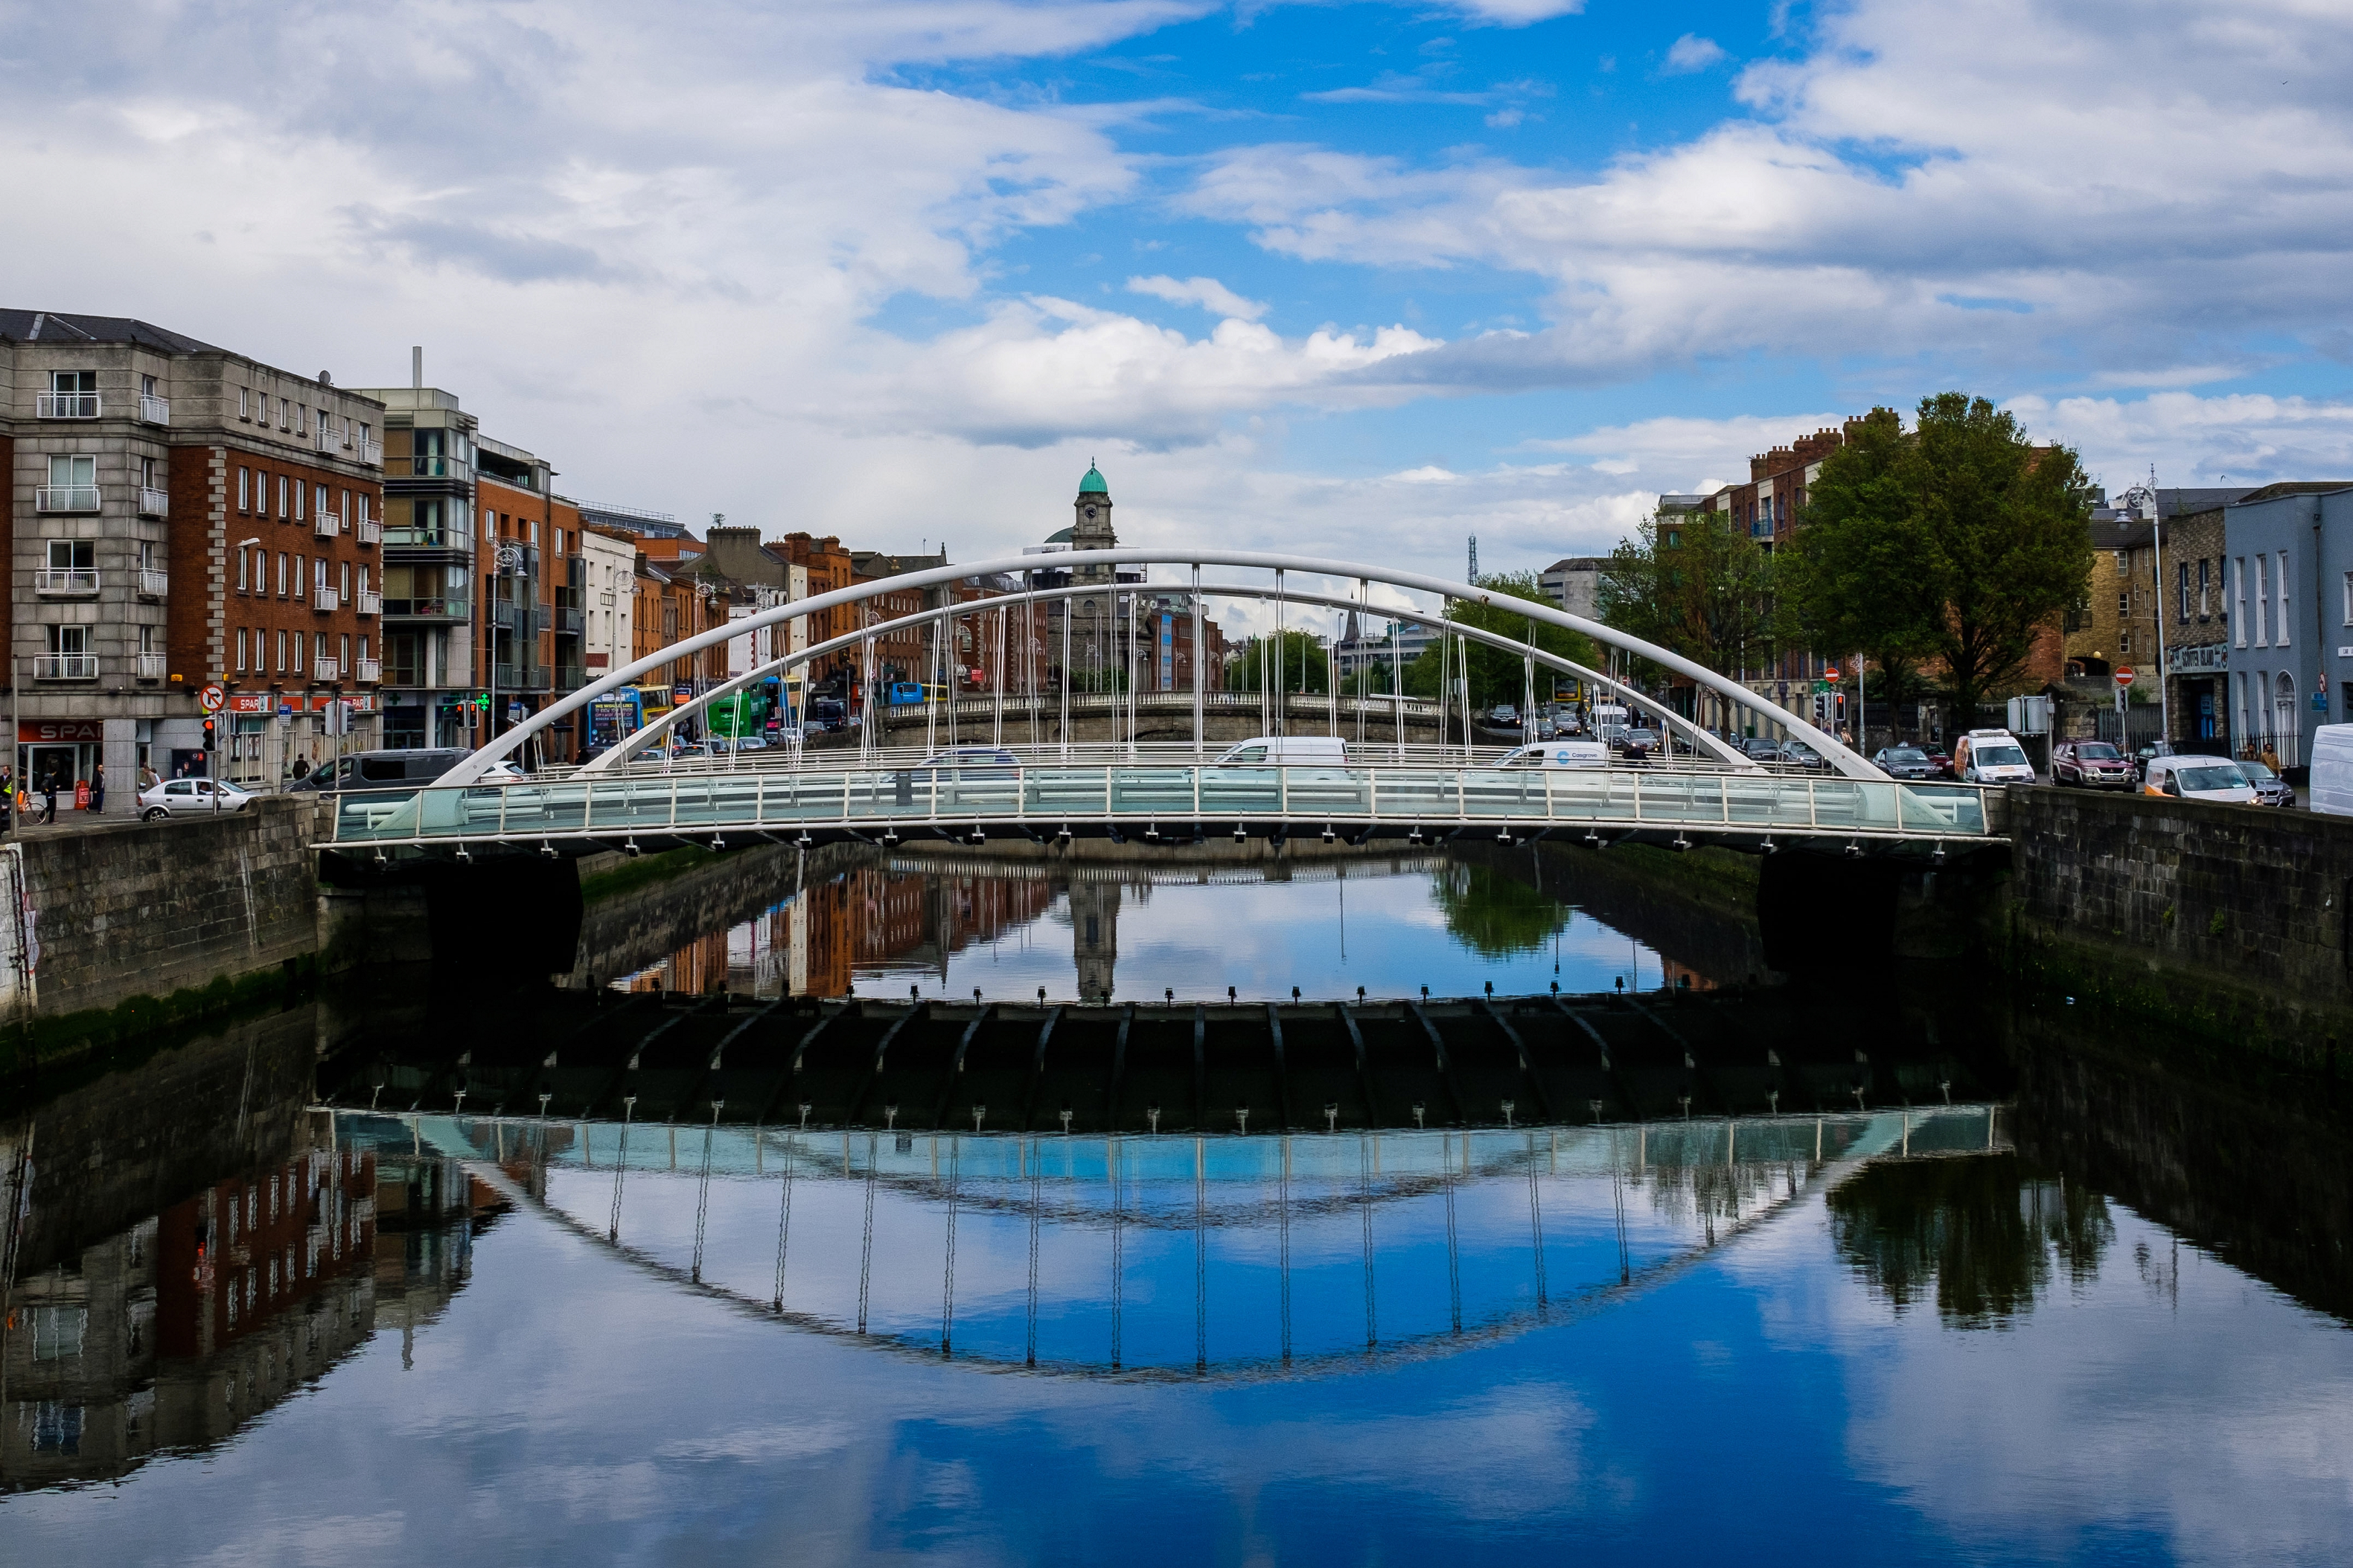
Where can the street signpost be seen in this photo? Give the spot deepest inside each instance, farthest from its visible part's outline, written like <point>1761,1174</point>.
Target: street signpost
<point>2125,676</point>
<point>212,698</point>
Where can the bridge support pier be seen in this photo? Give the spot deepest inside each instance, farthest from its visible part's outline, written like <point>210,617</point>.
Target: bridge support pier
<point>516,915</point>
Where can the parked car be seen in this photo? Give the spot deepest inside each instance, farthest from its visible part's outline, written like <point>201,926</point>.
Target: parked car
<point>1761,749</point>
<point>1941,760</point>
<point>1904,762</point>
<point>1992,756</point>
<point>2198,778</point>
<point>187,798</point>
<point>2269,787</point>
<point>1798,754</point>
<point>2144,755</point>
<point>2092,764</point>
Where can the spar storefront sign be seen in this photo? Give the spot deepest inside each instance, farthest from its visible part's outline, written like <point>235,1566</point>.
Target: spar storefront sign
<point>270,701</point>
<point>60,731</point>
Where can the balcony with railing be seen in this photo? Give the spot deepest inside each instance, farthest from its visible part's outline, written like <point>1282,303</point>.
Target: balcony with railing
<point>154,502</point>
<point>371,453</point>
<point>506,615</point>
<point>65,583</point>
<point>326,668</point>
<point>67,405</point>
<point>434,466</point>
<point>64,498</point>
<point>328,440</point>
<point>154,410</point>
<point>567,621</point>
<point>65,666</point>
<point>147,665</point>
<point>570,676</point>
<point>326,525</point>
<point>440,536</point>
<point>368,530</point>
<point>154,582</point>
<point>522,677</point>
<point>326,601</point>
<point>429,609</point>
<point>367,602</point>
<point>368,671</point>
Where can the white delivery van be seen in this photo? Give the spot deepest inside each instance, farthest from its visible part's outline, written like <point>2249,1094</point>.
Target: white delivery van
<point>1992,756</point>
<point>2198,778</point>
<point>2330,789</point>
<point>1559,754</point>
<point>1286,750</point>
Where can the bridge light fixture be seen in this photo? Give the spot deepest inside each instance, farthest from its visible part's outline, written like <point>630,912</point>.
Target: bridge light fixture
<point>1593,837</point>
<point>630,849</point>
<point>1679,844</point>
<point>1768,846</point>
<point>1328,835</point>
<point>1853,850</point>
<point>464,857</point>
<point>1503,834</point>
<point>890,836</point>
<point>1937,856</point>
<point>380,861</point>
<point>1241,834</point>
<point>1414,838</point>
<point>546,850</point>
<point>718,843</point>
<point>977,836</point>
<point>803,841</point>
<point>1064,835</point>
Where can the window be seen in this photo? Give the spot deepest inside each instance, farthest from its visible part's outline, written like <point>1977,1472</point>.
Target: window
<point>364,578</point>
<point>301,581</point>
<point>280,667</point>
<point>319,503</point>
<point>364,648</point>
<point>360,433</point>
<point>362,507</point>
<point>344,580</point>
<point>284,509</point>
<point>2124,604</point>
<point>2182,569</point>
<point>244,402</point>
<point>2205,605</point>
<point>301,667</point>
<point>241,564</point>
<point>2124,642</point>
<point>2349,598</point>
<point>281,573</point>
<point>69,639</point>
<point>2239,601</point>
<point>2262,599</point>
<point>2282,638</point>
<point>2121,566</point>
<point>319,578</point>
<point>244,495</point>
<point>240,650</point>
<point>298,500</point>
<point>344,655</point>
<point>72,555</point>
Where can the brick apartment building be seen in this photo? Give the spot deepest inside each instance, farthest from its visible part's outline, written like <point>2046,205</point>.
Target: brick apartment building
<point>179,516</point>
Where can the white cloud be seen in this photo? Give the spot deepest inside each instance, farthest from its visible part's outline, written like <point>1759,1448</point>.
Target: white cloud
<point>1692,53</point>
<point>1206,292</point>
<point>1895,192</point>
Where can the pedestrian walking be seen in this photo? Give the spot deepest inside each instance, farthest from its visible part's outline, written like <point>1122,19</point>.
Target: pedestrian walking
<point>98,787</point>
<point>148,778</point>
<point>49,797</point>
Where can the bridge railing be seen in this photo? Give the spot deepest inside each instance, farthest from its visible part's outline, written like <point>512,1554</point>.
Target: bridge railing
<point>1050,797</point>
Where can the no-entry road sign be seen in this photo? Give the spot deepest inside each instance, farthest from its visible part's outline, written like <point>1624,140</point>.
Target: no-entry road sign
<point>2125,675</point>
<point>211,699</point>
<point>1830,674</point>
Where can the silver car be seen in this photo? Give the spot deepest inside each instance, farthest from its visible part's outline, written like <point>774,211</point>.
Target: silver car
<point>187,798</point>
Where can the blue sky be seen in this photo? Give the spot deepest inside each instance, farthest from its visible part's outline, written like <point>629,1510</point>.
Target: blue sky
<point>1358,279</point>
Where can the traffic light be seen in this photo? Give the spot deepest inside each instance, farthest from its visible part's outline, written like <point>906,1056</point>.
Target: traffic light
<point>208,734</point>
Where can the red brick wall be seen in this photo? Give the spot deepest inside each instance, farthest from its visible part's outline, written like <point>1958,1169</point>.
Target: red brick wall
<point>191,629</point>
<point>268,613</point>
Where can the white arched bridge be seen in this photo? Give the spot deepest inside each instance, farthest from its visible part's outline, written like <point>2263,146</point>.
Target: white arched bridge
<point>635,795</point>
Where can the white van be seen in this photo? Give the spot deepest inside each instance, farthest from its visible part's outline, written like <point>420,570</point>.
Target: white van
<point>2198,778</point>
<point>1286,750</point>
<point>2331,787</point>
<point>1559,754</point>
<point>1991,757</point>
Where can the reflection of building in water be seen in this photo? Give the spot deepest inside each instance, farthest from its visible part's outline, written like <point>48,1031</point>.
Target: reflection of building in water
<point>865,921</point>
<point>1094,934</point>
<point>178,1331</point>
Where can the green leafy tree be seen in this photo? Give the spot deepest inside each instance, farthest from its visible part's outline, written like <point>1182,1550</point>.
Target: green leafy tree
<point>1954,547</point>
<point>1696,584</point>
<point>1492,914</point>
<point>1304,663</point>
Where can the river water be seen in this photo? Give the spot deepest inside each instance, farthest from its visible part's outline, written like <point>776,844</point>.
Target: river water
<point>2101,1317</point>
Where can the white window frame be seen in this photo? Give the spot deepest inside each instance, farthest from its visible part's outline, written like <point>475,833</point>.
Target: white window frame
<point>2285,620</point>
<point>2263,601</point>
<point>2239,601</point>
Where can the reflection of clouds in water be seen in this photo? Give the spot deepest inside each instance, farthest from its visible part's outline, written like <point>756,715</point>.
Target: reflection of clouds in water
<point>760,1444</point>
<point>2218,1426</point>
<point>1263,938</point>
<point>343,1538</point>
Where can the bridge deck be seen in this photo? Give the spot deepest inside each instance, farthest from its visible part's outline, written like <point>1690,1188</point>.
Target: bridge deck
<point>1044,799</point>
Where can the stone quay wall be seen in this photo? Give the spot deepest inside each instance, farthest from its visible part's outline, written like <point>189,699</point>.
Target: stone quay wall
<point>148,908</point>
<point>2230,920</point>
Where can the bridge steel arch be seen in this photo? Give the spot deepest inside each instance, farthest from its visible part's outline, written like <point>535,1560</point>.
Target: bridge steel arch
<point>654,729</point>
<point>1843,759</point>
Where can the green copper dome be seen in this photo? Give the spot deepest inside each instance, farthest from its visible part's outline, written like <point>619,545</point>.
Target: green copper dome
<point>1092,485</point>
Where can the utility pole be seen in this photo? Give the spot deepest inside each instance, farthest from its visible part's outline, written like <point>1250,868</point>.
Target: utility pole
<point>2156,543</point>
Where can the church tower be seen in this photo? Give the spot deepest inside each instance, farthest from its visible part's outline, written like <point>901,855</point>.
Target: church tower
<point>1091,529</point>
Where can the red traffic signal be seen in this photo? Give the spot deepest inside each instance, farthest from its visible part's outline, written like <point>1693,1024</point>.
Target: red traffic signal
<point>208,734</point>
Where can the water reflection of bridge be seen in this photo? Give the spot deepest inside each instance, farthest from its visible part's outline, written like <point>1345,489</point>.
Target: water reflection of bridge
<point>1163,1256</point>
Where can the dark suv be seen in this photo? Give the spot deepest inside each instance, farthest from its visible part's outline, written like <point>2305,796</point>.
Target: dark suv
<point>2091,764</point>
